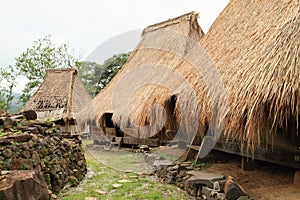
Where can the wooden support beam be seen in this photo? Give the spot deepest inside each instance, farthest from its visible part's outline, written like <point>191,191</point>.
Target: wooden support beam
<point>297,179</point>
<point>247,163</point>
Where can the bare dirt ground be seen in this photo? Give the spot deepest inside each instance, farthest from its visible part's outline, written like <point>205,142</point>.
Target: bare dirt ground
<point>266,182</point>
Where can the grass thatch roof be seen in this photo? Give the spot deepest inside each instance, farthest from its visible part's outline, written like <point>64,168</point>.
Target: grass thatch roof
<point>146,82</point>
<point>60,96</point>
<point>256,46</point>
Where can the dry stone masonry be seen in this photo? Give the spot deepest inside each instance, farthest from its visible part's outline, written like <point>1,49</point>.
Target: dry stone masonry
<point>40,146</point>
<point>190,177</point>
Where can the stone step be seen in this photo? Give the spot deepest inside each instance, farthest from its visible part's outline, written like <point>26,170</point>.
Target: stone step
<point>162,163</point>
<point>203,178</point>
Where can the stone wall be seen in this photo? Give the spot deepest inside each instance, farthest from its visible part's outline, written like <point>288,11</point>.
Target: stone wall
<point>40,146</point>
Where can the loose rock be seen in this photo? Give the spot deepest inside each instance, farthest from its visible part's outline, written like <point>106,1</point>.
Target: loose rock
<point>23,185</point>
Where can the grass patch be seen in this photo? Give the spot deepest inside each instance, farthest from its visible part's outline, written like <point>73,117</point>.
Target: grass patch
<point>133,185</point>
<point>202,165</point>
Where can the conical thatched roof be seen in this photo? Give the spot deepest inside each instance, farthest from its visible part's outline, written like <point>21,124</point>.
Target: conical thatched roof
<point>256,46</point>
<point>60,96</point>
<point>146,82</point>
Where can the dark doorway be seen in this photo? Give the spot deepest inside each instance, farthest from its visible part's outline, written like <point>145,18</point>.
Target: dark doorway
<point>119,132</point>
<point>108,120</point>
<point>172,104</point>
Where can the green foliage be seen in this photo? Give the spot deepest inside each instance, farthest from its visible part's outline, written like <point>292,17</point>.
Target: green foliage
<point>95,77</point>
<point>2,134</point>
<point>87,76</point>
<point>200,164</point>
<point>22,167</point>
<point>7,75</point>
<point>15,105</point>
<point>34,62</point>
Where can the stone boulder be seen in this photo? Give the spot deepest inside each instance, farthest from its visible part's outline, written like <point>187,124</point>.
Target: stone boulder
<point>23,185</point>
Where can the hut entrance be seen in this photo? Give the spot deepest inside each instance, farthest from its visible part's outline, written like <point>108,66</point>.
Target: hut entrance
<point>110,127</point>
<point>108,123</point>
<point>169,131</point>
<point>172,104</point>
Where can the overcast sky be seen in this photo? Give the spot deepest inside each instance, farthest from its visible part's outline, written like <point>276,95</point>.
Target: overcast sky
<point>86,24</point>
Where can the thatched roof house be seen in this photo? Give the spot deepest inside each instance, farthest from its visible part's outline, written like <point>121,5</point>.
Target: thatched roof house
<point>255,45</point>
<point>146,83</point>
<point>59,97</point>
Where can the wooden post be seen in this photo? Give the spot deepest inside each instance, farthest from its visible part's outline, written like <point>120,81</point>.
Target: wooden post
<point>69,105</point>
<point>247,163</point>
<point>297,179</point>
<point>67,126</point>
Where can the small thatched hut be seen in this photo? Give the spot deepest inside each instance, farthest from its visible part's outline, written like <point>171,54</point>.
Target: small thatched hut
<point>59,98</point>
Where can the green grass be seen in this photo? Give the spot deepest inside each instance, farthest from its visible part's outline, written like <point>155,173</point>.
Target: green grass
<point>202,165</point>
<point>3,134</point>
<point>140,186</point>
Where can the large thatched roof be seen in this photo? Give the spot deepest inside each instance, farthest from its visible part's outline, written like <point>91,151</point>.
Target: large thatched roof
<point>60,96</point>
<point>256,46</point>
<point>146,82</point>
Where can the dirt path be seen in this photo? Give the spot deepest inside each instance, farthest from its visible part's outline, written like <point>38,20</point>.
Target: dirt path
<point>106,180</point>
<point>121,160</point>
<point>266,182</point>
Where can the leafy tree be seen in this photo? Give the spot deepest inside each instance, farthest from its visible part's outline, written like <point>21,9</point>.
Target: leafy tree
<point>34,62</point>
<point>87,76</point>
<point>95,77</point>
<point>111,66</point>
<point>6,94</point>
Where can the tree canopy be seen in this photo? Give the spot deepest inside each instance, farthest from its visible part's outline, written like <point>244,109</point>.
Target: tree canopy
<point>7,75</point>
<point>34,62</point>
<point>95,77</point>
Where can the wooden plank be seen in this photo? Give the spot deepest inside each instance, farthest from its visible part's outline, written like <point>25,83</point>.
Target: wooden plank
<point>110,131</point>
<point>195,147</point>
<point>273,155</point>
<point>285,157</point>
<point>142,141</point>
<point>116,141</point>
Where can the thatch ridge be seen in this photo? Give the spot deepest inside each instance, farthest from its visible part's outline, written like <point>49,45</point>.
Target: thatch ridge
<point>186,17</point>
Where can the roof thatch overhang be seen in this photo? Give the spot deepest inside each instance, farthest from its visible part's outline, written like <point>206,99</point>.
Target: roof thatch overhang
<point>256,46</point>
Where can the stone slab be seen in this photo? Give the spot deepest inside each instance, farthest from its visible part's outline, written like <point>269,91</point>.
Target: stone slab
<point>162,163</point>
<point>203,178</point>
